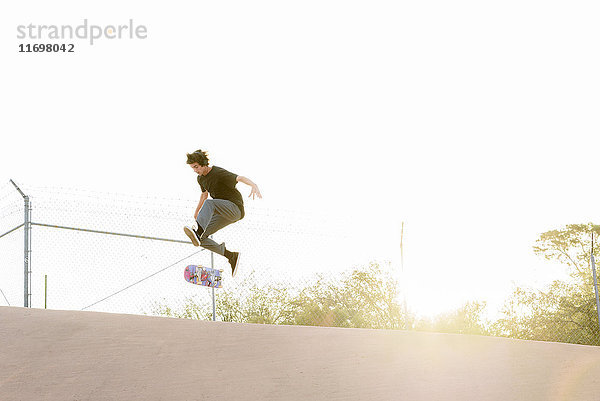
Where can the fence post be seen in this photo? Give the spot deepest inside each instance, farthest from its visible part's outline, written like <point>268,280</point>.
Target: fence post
<point>595,280</point>
<point>212,266</point>
<point>26,248</point>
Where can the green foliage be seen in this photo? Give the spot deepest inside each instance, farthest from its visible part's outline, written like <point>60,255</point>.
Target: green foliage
<point>192,309</point>
<point>468,319</point>
<point>268,305</point>
<point>365,298</point>
<point>565,311</point>
<point>571,246</point>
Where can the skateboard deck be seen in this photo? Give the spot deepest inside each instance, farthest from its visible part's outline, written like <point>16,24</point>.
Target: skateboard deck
<point>200,275</point>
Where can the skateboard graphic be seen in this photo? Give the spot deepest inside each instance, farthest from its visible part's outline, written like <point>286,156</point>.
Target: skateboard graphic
<point>200,275</point>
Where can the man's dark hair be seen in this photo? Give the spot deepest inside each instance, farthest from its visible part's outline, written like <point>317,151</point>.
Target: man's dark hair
<point>199,157</point>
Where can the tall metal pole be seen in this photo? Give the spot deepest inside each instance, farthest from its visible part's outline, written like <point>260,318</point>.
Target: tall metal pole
<point>212,266</point>
<point>403,277</point>
<point>595,280</point>
<point>402,247</point>
<point>26,249</point>
<point>27,252</point>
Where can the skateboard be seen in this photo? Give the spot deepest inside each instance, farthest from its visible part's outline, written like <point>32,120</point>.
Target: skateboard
<point>200,275</point>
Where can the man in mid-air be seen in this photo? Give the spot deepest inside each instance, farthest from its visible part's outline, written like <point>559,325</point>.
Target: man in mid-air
<point>225,207</point>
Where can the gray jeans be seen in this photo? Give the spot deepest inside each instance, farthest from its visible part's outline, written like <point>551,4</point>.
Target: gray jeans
<point>213,216</point>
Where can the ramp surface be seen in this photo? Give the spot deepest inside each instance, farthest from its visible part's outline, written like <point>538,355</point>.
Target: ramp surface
<point>66,355</point>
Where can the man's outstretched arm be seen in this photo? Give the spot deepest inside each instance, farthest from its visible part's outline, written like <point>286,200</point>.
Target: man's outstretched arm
<point>255,191</point>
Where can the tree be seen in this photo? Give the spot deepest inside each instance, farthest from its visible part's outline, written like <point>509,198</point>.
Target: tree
<point>245,303</point>
<point>565,311</point>
<point>468,319</point>
<point>256,304</point>
<point>365,298</point>
<point>571,246</point>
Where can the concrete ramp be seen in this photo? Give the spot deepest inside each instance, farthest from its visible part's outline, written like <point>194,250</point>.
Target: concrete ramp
<point>66,355</point>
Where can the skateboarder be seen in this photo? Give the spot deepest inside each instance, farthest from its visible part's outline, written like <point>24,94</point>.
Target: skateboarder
<point>225,207</point>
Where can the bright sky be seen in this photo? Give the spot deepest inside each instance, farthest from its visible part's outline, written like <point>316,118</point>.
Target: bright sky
<point>475,123</point>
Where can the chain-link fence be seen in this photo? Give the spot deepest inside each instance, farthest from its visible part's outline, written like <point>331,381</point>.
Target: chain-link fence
<point>11,243</point>
<point>121,253</point>
<point>563,310</point>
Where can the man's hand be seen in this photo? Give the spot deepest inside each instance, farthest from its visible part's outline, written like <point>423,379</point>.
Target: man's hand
<point>254,191</point>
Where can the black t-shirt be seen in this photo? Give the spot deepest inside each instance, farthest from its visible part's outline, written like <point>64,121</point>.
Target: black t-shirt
<point>220,183</point>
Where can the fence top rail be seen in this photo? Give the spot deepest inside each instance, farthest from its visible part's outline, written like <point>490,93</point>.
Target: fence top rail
<point>109,233</point>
